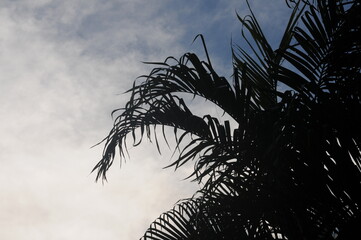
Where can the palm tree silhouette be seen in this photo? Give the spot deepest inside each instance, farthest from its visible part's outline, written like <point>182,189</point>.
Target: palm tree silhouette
<point>291,167</point>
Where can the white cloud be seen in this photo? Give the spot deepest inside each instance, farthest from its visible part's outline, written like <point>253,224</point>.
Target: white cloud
<point>58,89</point>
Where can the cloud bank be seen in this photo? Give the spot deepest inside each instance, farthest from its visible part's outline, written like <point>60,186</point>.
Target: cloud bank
<point>62,65</point>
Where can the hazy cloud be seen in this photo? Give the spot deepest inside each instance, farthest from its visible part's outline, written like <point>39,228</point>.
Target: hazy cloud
<point>62,65</point>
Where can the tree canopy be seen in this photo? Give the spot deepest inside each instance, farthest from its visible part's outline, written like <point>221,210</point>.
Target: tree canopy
<point>290,168</point>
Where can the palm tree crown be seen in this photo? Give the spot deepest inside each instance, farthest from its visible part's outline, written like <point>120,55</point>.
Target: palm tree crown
<point>290,168</point>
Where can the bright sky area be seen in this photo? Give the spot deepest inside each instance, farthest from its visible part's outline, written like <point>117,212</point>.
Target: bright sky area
<point>63,67</point>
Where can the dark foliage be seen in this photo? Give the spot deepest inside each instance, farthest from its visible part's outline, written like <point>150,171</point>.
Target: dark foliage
<point>291,167</point>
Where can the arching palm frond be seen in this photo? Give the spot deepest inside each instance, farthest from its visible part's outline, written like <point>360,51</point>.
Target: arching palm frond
<point>175,224</point>
<point>222,213</point>
<point>187,75</point>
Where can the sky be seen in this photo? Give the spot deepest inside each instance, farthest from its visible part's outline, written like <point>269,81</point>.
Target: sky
<point>63,68</point>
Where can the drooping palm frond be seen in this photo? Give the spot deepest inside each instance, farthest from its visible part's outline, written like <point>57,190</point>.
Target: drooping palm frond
<point>165,111</point>
<point>154,102</point>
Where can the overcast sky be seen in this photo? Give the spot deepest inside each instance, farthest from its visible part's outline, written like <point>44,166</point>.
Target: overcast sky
<point>63,65</point>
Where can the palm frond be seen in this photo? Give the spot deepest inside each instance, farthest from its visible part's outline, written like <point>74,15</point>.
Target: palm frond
<point>165,111</point>
<point>260,66</point>
<point>187,75</point>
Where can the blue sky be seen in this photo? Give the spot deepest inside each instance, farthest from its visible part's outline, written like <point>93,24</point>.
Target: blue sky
<point>63,65</point>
